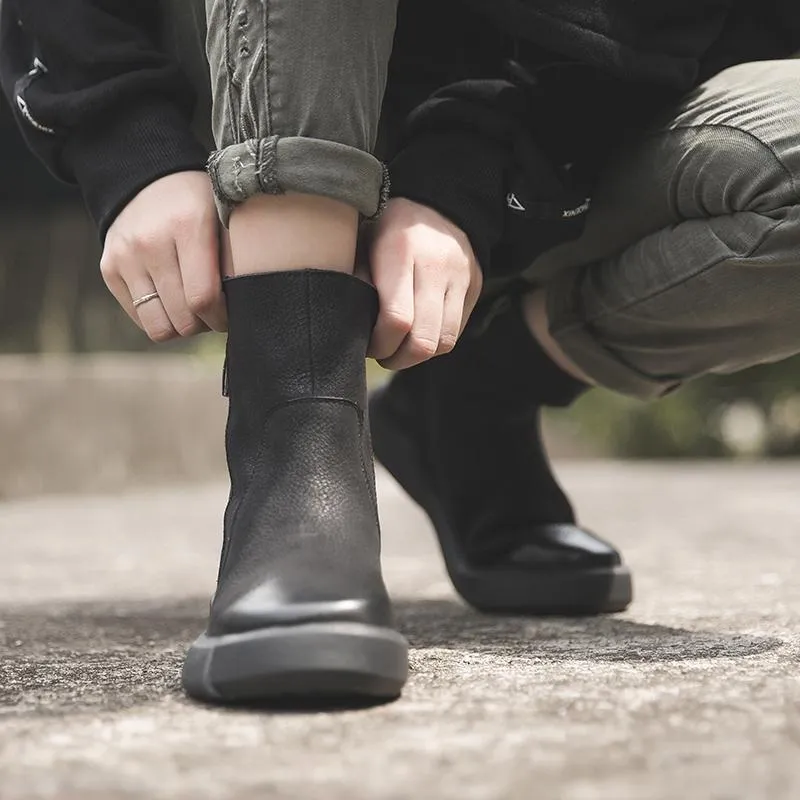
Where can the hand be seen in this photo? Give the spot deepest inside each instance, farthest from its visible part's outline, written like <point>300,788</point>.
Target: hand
<point>428,280</point>
<point>166,240</point>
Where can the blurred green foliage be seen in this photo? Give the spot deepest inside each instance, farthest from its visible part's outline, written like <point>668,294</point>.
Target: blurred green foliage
<point>753,413</point>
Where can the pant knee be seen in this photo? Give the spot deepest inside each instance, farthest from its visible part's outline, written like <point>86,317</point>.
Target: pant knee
<point>739,140</point>
<point>719,170</point>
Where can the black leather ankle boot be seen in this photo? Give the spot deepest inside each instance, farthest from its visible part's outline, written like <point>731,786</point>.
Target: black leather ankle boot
<point>300,611</point>
<point>460,433</point>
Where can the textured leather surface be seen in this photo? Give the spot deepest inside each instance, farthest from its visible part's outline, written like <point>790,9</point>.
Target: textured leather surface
<point>302,540</point>
<point>473,418</point>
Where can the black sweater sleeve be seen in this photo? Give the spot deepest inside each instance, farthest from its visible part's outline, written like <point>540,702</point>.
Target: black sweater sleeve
<point>787,14</point>
<point>95,98</point>
<point>456,151</point>
<point>472,153</point>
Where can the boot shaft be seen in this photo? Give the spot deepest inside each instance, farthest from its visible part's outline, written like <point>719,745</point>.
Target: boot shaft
<point>301,522</point>
<point>499,361</point>
<point>294,335</point>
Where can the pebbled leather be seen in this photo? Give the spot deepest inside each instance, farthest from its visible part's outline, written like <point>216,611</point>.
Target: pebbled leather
<point>469,421</point>
<point>302,538</point>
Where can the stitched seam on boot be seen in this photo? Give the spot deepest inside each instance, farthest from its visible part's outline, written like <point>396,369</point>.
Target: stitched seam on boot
<point>227,535</point>
<point>371,488</point>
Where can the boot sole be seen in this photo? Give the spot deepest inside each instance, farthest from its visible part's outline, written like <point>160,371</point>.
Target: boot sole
<point>601,590</point>
<point>320,664</point>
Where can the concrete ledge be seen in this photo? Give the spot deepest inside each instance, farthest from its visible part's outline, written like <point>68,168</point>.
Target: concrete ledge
<point>112,422</point>
<point>108,422</point>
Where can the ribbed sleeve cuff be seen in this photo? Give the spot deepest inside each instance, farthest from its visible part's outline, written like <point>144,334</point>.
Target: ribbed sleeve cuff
<point>112,161</point>
<point>460,175</point>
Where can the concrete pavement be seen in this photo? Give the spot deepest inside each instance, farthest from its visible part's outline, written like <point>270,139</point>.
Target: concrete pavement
<point>693,693</point>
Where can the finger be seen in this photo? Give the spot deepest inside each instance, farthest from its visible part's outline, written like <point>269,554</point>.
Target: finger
<point>199,258</point>
<point>119,289</point>
<point>166,276</point>
<point>422,342</point>
<point>393,276</point>
<point>147,274</point>
<point>452,315</point>
<point>153,319</point>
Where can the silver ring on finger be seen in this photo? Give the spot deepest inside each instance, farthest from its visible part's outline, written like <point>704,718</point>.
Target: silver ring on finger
<point>145,298</point>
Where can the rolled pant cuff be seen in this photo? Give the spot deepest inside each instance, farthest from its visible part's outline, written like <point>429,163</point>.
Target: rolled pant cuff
<point>580,341</point>
<point>279,164</point>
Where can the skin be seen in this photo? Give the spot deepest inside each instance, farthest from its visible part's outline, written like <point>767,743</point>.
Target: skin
<point>168,239</point>
<point>428,280</point>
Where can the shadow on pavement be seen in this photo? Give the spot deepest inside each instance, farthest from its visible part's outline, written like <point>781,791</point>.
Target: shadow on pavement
<point>451,625</point>
<point>91,657</point>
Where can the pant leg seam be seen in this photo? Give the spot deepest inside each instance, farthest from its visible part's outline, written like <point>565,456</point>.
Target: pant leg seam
<point>267,165</point>
<point>229,68</point>
<point>267,91</point>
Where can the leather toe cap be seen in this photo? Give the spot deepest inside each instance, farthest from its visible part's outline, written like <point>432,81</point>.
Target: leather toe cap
<point>556,547</point>
<point>271,605</point>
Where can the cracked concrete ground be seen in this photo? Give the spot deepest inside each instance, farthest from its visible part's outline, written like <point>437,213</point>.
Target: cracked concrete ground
<point>693,693</point>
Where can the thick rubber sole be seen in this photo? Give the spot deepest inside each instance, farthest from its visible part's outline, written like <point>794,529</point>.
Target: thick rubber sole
<point>325,664</point>
<point>603,590</point>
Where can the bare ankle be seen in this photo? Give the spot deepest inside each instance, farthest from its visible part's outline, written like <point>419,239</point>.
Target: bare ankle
<point>271,233</point>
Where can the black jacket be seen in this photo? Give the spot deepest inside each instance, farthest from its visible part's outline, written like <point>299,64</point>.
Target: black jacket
<point>102,106</point>
<point>95,96</point>
<point>656,41</point>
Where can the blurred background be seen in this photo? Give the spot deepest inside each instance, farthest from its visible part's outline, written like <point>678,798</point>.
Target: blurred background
<point>60,411</point>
